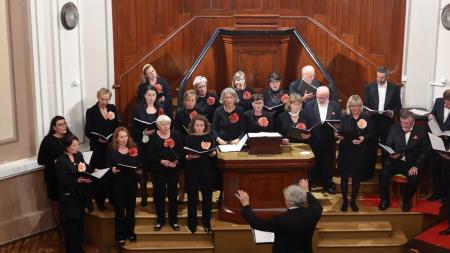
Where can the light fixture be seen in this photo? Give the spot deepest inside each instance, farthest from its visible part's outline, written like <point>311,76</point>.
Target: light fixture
<point>69,16</point>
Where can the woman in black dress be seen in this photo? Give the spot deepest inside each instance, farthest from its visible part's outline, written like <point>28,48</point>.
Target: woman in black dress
<point>183,117</point>
<point>293,117</point>
<point>207,102</point>
<point>73,192</point>
<point>162,88</point>
<point>199,173</point>
<point>356,128</point>
<point>123,159</point>
<point>143,124</point>
<point>274,96</point>
<point>244,92</point>
<point>51,147</point>
<point>258,120</point>
<point>163,156</point>
<point>229,121</point>
<point>101,121</point>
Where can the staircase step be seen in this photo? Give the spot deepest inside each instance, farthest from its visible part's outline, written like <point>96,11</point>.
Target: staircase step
<point>146,233</point>
<point>355,229</point>
<point>369,186</point>
<point>169,246</point>
<point>393,244</point>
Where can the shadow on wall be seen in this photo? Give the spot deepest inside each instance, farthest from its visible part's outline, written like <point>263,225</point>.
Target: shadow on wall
<point>351,75</point>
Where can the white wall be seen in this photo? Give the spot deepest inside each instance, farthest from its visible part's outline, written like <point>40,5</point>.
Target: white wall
<point>70,66</point>
<point>426,53</point>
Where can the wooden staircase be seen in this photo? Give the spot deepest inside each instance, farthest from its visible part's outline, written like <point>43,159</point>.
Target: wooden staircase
<point>360,236</point>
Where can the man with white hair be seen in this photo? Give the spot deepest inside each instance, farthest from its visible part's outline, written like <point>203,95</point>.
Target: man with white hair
<point>307,86</point>
<point>322,139</point>
<point>293,229</point>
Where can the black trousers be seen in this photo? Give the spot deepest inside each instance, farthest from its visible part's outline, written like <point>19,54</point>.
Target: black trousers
<point>324,153</point>
<point>438,173</point>
<point>165,180</point>
<point>445,166</point>
<point>199,181</point>
<point>74,234</point>
<point>398,167</point>
<point>125,190</point>
<point>381,125</point>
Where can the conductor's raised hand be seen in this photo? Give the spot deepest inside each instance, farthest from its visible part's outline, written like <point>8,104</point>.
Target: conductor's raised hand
<point>303,183</point>
<point>243,197</point>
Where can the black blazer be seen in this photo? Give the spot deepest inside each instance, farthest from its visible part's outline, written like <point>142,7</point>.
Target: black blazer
<point>96,123</point>
<point>438,112</point>
<point>312,117</point>
<point>252,124</point>
<point>183,118</point>
<point>245,102</point>
<point>208,105</point>
<point>165,92</point>
<point>417,150</point>
<point>293,229</point>
<point>71,193</point>
<point>140,113</point>
<point>225,129</point>
<point>392,101</point>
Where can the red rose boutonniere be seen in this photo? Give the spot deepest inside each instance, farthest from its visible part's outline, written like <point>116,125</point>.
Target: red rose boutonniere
<point>210,100</point>
<point>284,98</point>
<point>81,167</point>
<point>233,118</point>
<point>300,126</point>
<point>205,145</point>
<point>111,115</point>
<point>193,114</point>
<point>161,111</point>
<point>263,121</point>
<point>133,151</point>
<point>158,88</point>
<point>169,143</point>
<point>246,95</point>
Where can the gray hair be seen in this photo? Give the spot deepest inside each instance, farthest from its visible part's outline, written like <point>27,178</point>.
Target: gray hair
<point>232,92</point>
<point>295,195</point>
<point>307,69</point>
<point>162,119</point>
<point>198,80</point>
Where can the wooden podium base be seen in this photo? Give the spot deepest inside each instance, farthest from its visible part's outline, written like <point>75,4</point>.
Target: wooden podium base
<point>263,177</point>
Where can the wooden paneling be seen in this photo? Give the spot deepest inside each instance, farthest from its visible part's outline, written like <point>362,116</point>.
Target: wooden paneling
<point>350,37</point>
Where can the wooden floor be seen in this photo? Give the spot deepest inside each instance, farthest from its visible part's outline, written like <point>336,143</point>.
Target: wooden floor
<point>48,242</point>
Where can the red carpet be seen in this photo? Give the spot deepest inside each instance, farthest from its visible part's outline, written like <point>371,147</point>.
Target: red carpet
<point>432,236</point>
<point>373,200</point>
<point>422,205</point>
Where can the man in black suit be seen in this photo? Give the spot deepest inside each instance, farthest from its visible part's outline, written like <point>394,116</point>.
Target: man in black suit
<point>380,96</point>
<point>322,139</point>
<point>293,229</point>
<point>411,145</point>
<point>307,86</point>
<point>440,112</point>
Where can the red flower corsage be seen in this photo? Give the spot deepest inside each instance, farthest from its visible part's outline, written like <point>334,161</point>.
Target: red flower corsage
<point>161,111</point>
<point>284,98</point>
<point>81,167</point>
<point>246,95</point>
<point>263,122</point>
<point>158,88</point>
<point>300,126</point>
<point>205,145</point>
<point>133,151</point>
<point>169,143</point>
<point>111,115</point>
<point>192,114</point>
<point>233,118</point>
<point>211,100</point>
<point>415,137</point>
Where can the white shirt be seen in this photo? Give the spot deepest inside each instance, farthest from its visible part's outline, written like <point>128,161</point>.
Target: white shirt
<point>323,109</point>
<point>381,96</point>
<point>446,112</point>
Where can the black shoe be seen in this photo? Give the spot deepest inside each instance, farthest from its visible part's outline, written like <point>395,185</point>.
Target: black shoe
<point>180,202</point>
<point>175,227</point>
<point>157,227</point>
<point>354,206</point>
<point>144,201</point>
<point>406,207</point>
<point>207,229</point>
<point>132,238</point>
<point>434,197</point>
<point>344,206</point>
<point>120,243</point>
<point>101,207</point>
<point>330,190</point>
<point>384,204</point>
<point>445,232</point>
<point>193,229</point>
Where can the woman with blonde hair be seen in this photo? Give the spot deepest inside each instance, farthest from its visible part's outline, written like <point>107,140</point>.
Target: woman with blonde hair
<point>355,130</point>
<point>244,92</point>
